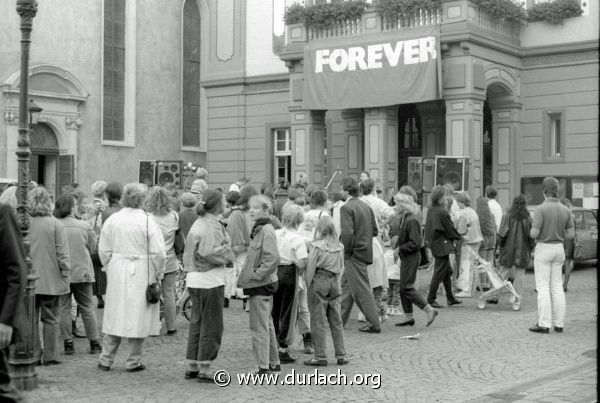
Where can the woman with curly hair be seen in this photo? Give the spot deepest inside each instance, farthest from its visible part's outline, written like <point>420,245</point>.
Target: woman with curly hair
<point>158,205</point>
<point>515,242</point>
<point>51,262</point>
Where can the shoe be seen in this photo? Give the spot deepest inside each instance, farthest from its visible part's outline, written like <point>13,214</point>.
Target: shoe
<point>52,362</point>
<point>431,314</point>
<point>383,318</point>
<point>410,322</point>
<point>171,332</point>
<point>259,371</point>
<point>557,329</point>
<point>388,311</point>
<point>361,317</point>
<point>492,301</point>
<point>316,363</point>
<point>463,294</point>
<point>434,304</point>
<point>139,367</point>
<point>226,303</point>
<point>396,312</point>
<point>95,347</point>
<point>539,329</point>
<point>451,302</point>
<point>565,289</point>
<point>190,374</point>
<point>69,348</point>
<point>75,332</point>
<point>103,367</point>
<point>308,346</point>
<point>286,358</point>
<point>274,368</point>
<point>370,329</point>
<point>205,378</point>
<point>343,361</point>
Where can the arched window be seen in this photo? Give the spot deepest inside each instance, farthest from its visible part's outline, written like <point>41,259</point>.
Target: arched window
<point>191,75</point>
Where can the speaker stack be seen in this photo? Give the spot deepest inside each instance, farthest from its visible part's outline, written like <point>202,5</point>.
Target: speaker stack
<point>162,173</point>
<point>415,173</point>
<point>453,171</point>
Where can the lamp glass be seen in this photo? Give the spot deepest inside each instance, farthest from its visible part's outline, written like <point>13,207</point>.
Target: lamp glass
<point>34,112</point>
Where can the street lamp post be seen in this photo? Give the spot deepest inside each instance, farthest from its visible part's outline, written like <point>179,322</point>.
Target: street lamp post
<point>22,356</point>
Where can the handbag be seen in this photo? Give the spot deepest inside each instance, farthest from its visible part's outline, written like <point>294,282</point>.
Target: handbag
<point>179,242</point>
<point>153,290</point>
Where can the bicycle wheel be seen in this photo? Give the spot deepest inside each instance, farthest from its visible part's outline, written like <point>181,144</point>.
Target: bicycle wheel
<point>187,308</point>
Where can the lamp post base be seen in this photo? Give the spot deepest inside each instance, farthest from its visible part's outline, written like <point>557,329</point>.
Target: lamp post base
<point>23,375</point>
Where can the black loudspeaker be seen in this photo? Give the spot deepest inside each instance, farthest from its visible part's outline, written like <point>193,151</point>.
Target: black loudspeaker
<point>415,173</point>
<point>169,173</point>
<point>147,174</point>
<point>428,174</point>
<point>453,171</point>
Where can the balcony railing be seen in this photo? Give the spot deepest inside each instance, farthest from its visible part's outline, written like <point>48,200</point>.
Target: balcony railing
<point>372,21</point>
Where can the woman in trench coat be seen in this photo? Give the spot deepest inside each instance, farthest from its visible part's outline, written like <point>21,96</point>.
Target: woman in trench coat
<point>133,251</point>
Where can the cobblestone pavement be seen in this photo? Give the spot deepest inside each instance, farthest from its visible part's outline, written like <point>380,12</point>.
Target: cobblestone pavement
<point>466,355</point>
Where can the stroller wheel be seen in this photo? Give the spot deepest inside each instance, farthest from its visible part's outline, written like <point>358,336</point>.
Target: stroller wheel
<point>516,305</point>
<point>481,304</point>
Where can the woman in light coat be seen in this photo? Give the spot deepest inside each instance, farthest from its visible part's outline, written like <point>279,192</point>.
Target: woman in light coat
<point>468,226</point>
<point>51,261</point>
<point>132,249</point>
<point>158,205</point>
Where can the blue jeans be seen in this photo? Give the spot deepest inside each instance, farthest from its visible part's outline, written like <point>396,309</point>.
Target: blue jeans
<point>168,292</point>
<point>324,303</point>
<point>83,296</point>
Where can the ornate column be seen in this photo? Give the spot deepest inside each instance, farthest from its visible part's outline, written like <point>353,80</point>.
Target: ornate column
<point>464,136</point>
<point>353,159</point>
<point>433,125</point>
<point>381,145</point>
<point>22,357</point>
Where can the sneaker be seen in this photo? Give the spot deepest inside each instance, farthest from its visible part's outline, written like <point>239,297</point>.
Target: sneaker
<point>388,311</point>
<point>274,367</point>
<point>103,367</point>
<point>452,302</point>
<point>308,346</point>
<point>139,367</point>
<point>361,317</point>
<point>259,371</point>
<point>286,358</point>
<point>463,294</point>
<point>558,329</point>
<point>383,318</point>
<point>434,304</point>
<point>69,348</point>
<point>396,312</point>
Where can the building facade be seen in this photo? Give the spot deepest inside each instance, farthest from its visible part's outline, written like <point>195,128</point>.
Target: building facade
<point>223,84</point>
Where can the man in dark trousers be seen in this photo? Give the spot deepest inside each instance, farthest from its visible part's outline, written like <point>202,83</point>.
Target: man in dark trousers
<point>440,235</point>
<point>358,227</point>
<point>13,278</point>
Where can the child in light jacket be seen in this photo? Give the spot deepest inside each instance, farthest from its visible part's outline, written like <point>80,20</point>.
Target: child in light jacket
<point>324,268</point>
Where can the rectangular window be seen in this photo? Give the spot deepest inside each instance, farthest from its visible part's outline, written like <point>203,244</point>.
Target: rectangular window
<point>114,71</point>
<point>554,135</point>
<point>283,155</point>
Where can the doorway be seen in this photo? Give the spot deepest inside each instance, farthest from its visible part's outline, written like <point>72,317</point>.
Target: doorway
<point>487,145</point>
<point>410,141</point>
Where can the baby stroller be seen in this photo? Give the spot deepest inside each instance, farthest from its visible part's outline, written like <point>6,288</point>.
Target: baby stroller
<point>498,283</point>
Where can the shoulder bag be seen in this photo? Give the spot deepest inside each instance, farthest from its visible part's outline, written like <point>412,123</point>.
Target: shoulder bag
<point>153,290</point>
<point>179,243</point>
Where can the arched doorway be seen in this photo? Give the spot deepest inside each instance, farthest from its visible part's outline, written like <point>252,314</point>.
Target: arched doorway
<point>410,141</point>
<point>46,166</point>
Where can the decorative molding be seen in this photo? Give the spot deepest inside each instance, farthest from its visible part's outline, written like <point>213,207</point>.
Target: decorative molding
<point>11,84</point>
<point>73,122</point>
<point>561,58</point>
<point>11,118</point>
<point>225,29</point>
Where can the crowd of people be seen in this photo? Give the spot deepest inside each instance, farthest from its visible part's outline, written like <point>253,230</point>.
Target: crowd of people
<point>299,264</point>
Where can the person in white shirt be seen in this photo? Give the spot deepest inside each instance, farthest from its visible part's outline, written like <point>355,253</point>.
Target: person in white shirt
<point>338,202</point>
<point>293,255</point>
<point>495,208</point>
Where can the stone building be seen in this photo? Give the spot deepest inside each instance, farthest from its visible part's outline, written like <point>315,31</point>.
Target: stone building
<point>225,84</point>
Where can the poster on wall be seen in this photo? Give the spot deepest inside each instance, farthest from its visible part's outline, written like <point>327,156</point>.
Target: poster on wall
<point>388,69</point>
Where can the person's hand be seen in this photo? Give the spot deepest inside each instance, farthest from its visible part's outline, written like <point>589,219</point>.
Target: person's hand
<point>5,335</point>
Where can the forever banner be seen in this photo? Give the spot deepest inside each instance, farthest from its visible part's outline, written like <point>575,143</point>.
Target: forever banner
<point>394,68</point>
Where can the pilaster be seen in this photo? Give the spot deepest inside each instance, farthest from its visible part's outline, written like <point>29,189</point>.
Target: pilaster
<point>308,138</point>
<point>505,123</point>
<point>464,136</point>
<point>381,145</point>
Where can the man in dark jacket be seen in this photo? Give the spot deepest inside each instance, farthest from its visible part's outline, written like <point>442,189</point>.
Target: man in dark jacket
<point>358,227</point>
<point>13,277</point>
<point>440,235</point>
